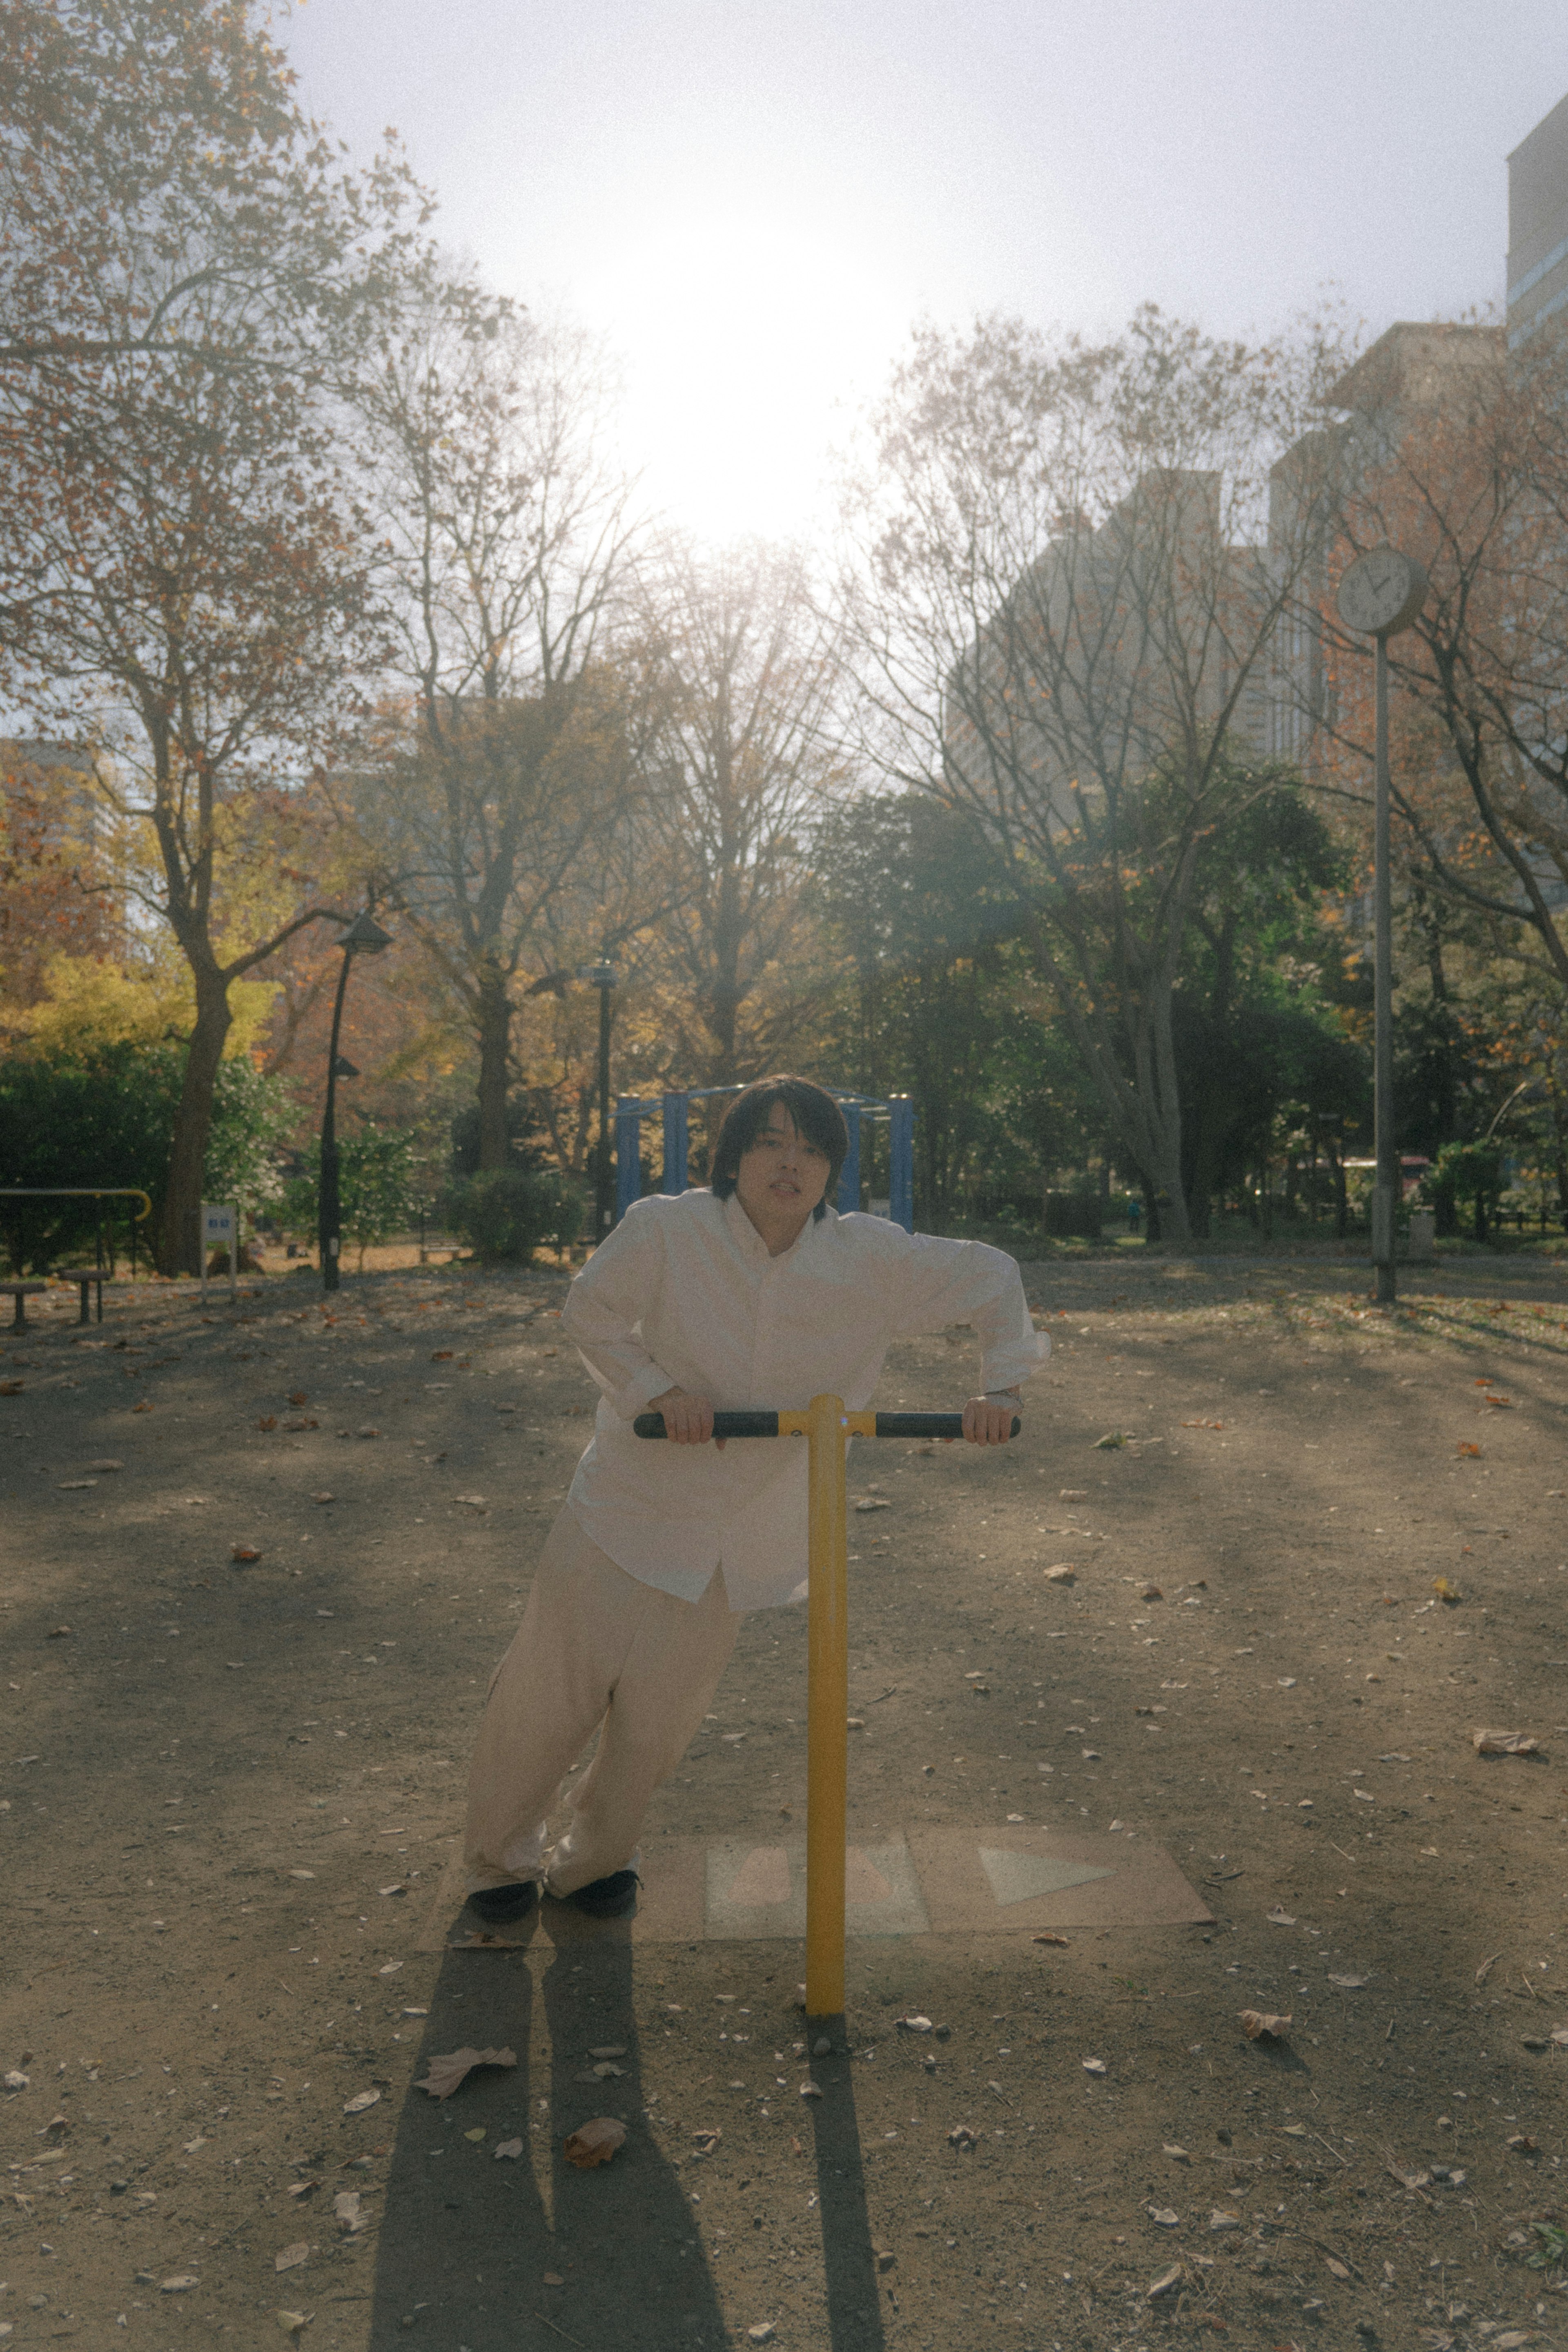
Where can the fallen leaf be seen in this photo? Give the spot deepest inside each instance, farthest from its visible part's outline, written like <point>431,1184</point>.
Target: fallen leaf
<point>178,2285</point>
<point>1072,1494</point>
<point>763,2333</point>
<point>1048,1939</point>
<point>297,1420</point>
<point>1502,1401</point>
<point>593,2143</point>
<point>810,2091</point>
<point>961,2136</point>
<point>346,2206</point>
<point>1151,1592</point>
<point>12,1388</point>
<point>1095,2066</point>
<point>609,2050</point>
<point>142,1407</point>
<point>302,2187</point>
<point>73,1485</point>
<point>1521,2143</point>
<point>367,1431</point>
<point>447,2071</point>
<point>472,1502</point>
<point>607,2071</point>
<point>482,1941</point>
<point>243,1552</point>
<point>1504,1743</point>
<point>267,1420</point>
<point>1111,1441</point>
<point>1165,2216</point>
<point>291,2322</point>
<point>1221,2218</point>
<point>399,1888</point>
<point>1203,1424</point>
<point>1409,2179</point>
<point>509,2147</point>
<point>1447,1592</point>
<point>1337,2269</point>
<point>297,1396</point>
<point>1349,1984</point>
<point>360,2102</point>
<point>323,1498</point>
<point>57,1633</point>
<point>1166,2280</point>
<point>441,1355</point>
<point>1465,1448</point>
<point>552,2278</point>
<point>1064,1573</point>
<point>292,2256</point>
<point>108,1463</point>
<point>1280,1918</point>
<point>476,2133</point>
<point>1258,2023</point>
<point>872,1503</point>
<point>707,2141</point>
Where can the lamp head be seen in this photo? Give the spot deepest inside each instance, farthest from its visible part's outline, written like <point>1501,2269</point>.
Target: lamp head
<point>364,936</point>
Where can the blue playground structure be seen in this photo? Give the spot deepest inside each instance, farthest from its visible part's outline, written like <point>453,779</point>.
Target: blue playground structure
<point>898,1110</point>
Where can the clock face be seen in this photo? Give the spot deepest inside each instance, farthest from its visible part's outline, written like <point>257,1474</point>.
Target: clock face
<point>1381,591</point>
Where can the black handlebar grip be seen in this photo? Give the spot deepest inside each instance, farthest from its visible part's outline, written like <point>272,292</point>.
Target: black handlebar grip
<point>926,1425</point>
<point>725,1424</point>
<point>765,1425</point>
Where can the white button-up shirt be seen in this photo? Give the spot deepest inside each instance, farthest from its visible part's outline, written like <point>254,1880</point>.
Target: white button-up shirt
<point>683,1293</point>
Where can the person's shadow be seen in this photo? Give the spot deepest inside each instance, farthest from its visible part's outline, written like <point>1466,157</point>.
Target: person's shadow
<point>467,2238</point>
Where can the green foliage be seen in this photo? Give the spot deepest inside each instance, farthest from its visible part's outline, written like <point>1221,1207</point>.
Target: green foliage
<point>504,1213</point>
<point>97,1121</point>
<point>378,1192</point>
<point>254,1114</point>
<point>1551,2246</point>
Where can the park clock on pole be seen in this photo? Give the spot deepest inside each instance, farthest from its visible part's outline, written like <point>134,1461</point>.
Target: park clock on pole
<point>1382,592</point>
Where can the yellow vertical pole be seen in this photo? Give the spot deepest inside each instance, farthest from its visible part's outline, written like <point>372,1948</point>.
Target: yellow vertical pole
<point>826,1709</point>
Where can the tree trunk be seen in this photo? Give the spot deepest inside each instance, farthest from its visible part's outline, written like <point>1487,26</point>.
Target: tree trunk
<point>179,1234</point>
<point>494,1059</point>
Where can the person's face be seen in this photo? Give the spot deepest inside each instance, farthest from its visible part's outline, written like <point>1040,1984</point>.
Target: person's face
<point>783,1175</point>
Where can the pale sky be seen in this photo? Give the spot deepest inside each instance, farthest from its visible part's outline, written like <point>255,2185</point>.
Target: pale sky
<point>754,202</point>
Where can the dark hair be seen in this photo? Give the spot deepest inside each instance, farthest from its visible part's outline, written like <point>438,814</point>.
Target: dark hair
<point>816,1115</point>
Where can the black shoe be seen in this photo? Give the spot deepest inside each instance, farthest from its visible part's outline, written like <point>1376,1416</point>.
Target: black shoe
<point>503,1907</point>
<point>614,1897</point>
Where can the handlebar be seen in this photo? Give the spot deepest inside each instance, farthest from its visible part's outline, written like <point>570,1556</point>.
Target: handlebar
<point>765,1425</point>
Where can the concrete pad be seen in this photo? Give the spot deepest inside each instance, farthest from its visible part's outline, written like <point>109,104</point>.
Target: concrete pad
<point>952,1882</point>
<point>1018,1877</point>
<point>756,1891</point>
<point>1006,1882</point>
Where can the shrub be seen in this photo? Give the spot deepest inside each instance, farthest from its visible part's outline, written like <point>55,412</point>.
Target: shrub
<point>378,1188</point>
<point>504,1213</point>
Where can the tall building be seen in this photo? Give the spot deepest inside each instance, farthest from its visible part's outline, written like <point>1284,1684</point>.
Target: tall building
<point>1538,227</point>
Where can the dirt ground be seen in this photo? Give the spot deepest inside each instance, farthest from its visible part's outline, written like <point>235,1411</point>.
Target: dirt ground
<point>230,1791</point>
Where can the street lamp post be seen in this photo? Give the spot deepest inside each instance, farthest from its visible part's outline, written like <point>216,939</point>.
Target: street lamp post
<point>603,976</point>
<point>1380,595</point>
<point>364,936</point>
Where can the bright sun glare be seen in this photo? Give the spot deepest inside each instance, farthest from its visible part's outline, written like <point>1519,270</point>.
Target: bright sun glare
<point>755,340</point>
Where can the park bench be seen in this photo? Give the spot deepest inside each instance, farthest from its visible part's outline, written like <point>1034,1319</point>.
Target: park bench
<point>84,1276</point>
<point>21,1292</point>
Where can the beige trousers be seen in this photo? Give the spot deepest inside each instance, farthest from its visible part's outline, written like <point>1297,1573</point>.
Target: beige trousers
<point>595,1649</point>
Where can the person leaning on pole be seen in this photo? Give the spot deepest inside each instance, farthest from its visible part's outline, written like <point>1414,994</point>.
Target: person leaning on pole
<point>752,1293</point>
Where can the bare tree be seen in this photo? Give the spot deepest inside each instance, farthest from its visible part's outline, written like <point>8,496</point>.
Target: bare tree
<point>506,527</point>
<point>1061,594</point>
<point>1456,450</point>
<point>738,678</point>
